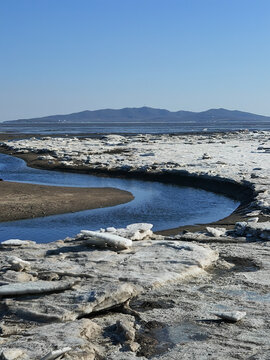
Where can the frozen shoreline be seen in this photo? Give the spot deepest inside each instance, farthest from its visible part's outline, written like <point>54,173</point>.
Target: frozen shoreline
<point>179,281</point>
<point>223,162</point>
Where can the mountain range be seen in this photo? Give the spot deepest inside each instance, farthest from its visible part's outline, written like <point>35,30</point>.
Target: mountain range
<point>147,114</point>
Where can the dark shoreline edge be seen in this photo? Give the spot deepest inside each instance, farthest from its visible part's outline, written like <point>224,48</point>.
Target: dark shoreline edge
<point>244,193</point>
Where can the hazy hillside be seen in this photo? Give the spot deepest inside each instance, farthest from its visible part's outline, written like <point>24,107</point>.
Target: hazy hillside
<point>147,114</point>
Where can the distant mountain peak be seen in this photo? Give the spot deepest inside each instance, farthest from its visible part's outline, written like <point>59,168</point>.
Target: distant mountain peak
<point>148,114</point>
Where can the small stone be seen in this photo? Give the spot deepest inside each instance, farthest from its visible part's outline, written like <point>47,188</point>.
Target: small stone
<point>206,156</point>
<point>126,328</point>
<point>18,264</point>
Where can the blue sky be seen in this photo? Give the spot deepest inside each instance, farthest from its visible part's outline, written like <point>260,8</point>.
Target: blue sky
<point>62,56</point>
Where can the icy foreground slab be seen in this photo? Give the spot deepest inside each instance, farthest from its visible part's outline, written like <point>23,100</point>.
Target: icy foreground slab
<point>53,340</point>
<point>104,278</point>
<point>35,287</point>
<point>105,239</point>
<point>17,242</point>
<point>231,316</point>
<point>137,231</point>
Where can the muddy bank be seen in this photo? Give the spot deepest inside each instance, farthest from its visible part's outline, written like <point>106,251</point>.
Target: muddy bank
<point>24,201</point>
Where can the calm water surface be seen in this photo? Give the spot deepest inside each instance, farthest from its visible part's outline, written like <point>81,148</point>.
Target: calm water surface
<point>133,127</point>
<point>166,206</point>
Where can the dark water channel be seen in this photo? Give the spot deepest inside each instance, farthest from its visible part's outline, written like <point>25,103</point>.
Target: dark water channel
<point>164,205</point>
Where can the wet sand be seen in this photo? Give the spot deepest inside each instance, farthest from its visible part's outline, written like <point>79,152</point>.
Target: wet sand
<point>24,201</point>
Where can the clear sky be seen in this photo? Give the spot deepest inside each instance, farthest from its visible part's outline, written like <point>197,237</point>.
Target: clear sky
<point>62,56</point>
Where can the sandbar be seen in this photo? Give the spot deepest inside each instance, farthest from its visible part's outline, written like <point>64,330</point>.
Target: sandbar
<point>23,201</point>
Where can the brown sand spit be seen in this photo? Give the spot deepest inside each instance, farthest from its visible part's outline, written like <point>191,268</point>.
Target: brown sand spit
<point>23,201</point>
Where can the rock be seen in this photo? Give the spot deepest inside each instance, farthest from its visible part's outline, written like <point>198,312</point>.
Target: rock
<point>254,229</point>
<point>148,154</point>
<point>232,316</point>
<point>206,156</point>
<point>216,231</point>
<point>17,242</point>
<point>254,213</point>
<point>110,229</point>
<point>134,232</point>
<point>55,353</point>
<point>50,341</point>
<point>127,329</point>
<point>18,264</point>
<point>35,287</point>
<point>87,352</point>
<point>105,239</point>
<point>157,237</point>
<point>70,305</point>
<point>188,236</point>
<point>12,276</point>
<point>12,354</point>
<point>200,238</point>
<point>225,265</point>
<point>240,228</point>
<point>253,220</point>
<point>6,330</point>
<point>261,230</point>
